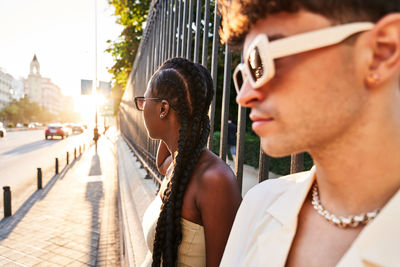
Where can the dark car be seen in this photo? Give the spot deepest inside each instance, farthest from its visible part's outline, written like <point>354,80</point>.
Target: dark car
<point>77,128</point>
<point>57,130</point>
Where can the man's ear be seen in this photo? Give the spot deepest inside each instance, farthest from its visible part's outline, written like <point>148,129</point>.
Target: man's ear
<point>385,43</point>
<point>164,109</point>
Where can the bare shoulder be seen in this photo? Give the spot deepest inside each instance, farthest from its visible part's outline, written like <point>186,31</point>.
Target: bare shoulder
<point>212,172</point>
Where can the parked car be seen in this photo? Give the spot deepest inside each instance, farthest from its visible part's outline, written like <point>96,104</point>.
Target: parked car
<point>2,130</point>
<point>57,130</point>
<point>76,128</point>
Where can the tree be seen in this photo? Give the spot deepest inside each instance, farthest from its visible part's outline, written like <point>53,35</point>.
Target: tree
<point>25,111</point>
<point>131,14</point>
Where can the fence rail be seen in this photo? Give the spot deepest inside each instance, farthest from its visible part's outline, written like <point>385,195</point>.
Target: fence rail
<point>174,29</point>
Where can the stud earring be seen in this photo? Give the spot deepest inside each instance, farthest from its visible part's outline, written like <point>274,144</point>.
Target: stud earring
<point>161,116</point>
<point>373,78</point>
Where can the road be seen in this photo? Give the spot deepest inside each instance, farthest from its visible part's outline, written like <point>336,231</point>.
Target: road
<point>21,153</point>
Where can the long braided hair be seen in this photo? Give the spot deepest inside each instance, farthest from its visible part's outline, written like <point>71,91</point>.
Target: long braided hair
<point>189,87</point>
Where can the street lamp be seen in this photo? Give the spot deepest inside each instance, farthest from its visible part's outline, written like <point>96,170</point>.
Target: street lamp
<point>96,130</point>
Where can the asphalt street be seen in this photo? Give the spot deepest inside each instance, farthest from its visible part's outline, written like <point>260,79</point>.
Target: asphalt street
<point>22,152</point>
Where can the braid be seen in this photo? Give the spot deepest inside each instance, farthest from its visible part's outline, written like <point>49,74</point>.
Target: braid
<point>189,87</point>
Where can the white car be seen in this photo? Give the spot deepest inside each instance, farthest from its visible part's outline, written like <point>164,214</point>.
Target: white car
<point>2,130</point>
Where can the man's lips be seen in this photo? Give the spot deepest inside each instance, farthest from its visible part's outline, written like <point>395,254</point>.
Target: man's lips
<point>259,122</point>
<point>257,118</point>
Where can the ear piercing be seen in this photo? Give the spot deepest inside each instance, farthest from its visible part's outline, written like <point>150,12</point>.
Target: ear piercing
<point>161,116</point>
<point>373,78</point>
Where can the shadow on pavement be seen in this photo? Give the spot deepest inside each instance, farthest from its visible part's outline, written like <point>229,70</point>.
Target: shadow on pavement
<point>29,147</point>
<point>8,224</point>
<point>94,194</point>
<point>95,166</point>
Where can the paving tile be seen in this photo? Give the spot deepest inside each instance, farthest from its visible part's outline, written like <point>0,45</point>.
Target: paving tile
<point>29,261</point>
<point>74,224</point>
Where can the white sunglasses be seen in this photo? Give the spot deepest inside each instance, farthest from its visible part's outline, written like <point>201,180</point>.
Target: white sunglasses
<point>259,66</point>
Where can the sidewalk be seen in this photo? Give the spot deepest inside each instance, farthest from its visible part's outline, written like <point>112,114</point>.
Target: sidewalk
<point>72,221</point>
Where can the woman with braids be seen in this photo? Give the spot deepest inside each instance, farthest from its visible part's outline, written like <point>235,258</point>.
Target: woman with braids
<point>189,222</point>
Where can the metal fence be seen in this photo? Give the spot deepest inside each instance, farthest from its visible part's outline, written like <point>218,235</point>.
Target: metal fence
<point>178,28</point>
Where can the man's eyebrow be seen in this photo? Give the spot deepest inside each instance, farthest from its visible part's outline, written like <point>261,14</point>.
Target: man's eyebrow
<point>275,37</point>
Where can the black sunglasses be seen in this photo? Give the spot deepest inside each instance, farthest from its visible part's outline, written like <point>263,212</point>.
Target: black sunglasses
<point>141,100</point>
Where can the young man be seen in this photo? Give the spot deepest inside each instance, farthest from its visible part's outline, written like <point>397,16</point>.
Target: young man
<point>321,77</point>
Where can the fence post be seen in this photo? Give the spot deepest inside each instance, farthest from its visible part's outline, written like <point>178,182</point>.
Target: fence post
<point>39,178</point>
<point>263,166</point>
<point>75,153</point>
<point>67,157</point>
<point>7,201</point>
<point>56,165</point>
<point>297,163</point>
<point>80,150</point>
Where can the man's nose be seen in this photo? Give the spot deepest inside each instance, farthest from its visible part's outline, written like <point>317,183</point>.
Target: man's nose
<point>248,95</point>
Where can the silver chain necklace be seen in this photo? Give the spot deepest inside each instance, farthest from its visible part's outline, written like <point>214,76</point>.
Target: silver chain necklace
<point>343,222</point>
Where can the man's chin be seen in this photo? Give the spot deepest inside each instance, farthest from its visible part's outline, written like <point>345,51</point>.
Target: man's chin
<point>274,149</point>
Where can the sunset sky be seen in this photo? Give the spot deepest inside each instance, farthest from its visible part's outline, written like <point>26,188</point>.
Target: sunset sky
<point>61,34</point>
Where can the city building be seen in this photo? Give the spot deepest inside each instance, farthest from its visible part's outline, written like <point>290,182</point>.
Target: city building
<point>18,90</point>
<point>42,90</point>
<point>51,96</point>
<point>33,84</point>
<point>6,85</point>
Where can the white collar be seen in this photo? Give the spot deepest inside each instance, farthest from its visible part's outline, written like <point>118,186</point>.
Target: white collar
<point>287,207</point>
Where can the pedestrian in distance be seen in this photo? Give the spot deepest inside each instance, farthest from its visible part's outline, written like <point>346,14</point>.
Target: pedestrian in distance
<point>232,131</point>
<point>189,222</point>
<point>320,77</point>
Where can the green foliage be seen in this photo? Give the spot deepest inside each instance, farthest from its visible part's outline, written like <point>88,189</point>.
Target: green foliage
<point>131,14</point>
<point>252,153</point>
<point>25,111</point>
<point>10,125</point>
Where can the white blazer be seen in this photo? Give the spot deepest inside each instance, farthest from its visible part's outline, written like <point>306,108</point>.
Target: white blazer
<point>266,223</point>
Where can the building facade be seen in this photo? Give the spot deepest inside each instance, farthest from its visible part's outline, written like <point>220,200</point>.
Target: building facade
<point>18,90</point>
<point>51,96</point>
<point>42,90</point>
<point>6,85</point>
<point>33,84</point>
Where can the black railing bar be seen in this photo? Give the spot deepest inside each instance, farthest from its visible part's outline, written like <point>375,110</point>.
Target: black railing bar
<point>225,103</point>
<point>214,74</point>
<point>240,146</point>
<point>190,31</point>
<point>184,28</point>
<point>205,33</point>
<point>198,33</point>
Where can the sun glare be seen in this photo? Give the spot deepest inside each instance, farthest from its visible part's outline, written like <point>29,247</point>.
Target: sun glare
<point>85,105</point>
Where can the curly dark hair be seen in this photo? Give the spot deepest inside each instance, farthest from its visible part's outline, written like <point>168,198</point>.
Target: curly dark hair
<point>189,87</point>
<point>240,15</point>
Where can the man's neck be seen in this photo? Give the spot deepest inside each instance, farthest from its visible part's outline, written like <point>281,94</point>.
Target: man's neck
<point>361,171</point>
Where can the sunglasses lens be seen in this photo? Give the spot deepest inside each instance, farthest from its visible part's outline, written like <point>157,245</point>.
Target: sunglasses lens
<point>140,103</point>
<point>255,65</point>
<point>239,80</point>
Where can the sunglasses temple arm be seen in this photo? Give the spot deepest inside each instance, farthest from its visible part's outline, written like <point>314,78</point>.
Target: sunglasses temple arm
<point>317,39</point>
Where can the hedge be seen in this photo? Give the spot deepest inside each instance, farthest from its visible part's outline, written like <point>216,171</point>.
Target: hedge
<point>251,155</point>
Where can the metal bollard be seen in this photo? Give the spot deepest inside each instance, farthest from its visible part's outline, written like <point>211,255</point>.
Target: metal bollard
<point>7,201</point>
<point>67,157</point>
<point>74,153</point>
<point>56,165</point>
<point>39,178</point>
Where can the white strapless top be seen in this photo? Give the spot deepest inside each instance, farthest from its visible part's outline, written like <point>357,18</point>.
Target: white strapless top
<point>191,251</point>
